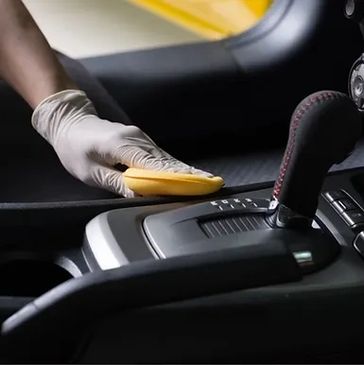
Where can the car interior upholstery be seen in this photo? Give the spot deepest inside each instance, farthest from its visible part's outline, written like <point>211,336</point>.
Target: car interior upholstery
<point>91,277</point>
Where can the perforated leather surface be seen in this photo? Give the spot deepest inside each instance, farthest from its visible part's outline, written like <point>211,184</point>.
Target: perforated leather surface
<point>261,166</point>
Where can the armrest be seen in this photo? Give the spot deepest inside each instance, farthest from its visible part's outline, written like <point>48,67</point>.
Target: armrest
<point>72,306</point>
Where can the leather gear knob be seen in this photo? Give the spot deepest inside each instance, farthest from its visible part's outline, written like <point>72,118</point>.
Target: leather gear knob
<point>324,129</point>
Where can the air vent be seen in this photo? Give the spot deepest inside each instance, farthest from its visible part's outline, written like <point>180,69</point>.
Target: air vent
<point>230,225</point>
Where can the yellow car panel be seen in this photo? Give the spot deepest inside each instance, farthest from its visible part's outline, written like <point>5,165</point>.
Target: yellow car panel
<point>212,19</point>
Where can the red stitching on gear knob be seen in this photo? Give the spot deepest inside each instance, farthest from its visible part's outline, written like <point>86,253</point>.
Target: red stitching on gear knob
<point>296,120</point>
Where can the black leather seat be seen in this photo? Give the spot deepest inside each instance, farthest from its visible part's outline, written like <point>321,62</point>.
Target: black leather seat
<point>225,106</point>
<point>30,169</point>
<point>222,106</point>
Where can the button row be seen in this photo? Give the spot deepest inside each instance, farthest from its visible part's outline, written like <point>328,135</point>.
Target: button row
<point>240,203</point>
<point>351,213</point>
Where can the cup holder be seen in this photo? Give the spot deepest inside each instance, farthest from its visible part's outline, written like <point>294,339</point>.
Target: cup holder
<point>28,276</point>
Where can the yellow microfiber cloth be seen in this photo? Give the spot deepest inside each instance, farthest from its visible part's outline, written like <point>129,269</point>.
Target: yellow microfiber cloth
<point>150,182</point>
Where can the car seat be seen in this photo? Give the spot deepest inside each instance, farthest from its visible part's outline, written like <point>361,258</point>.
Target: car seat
<point>223,106</point>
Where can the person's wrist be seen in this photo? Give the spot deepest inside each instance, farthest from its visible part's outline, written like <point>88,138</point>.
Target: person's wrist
<point>51,83</point>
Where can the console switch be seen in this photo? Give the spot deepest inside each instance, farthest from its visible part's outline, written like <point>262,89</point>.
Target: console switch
<point>353,218</point>
<point>335,195</point>
<point>348,210</point>
<point>359,243</point>
<point>343,205</point>
<point>251,204</point>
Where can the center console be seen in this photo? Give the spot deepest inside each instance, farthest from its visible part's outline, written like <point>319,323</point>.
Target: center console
<point>307,319</point>
<point>284,259</point>
<point>119,237</point>
<point>123,237</point>
<point>312,310</point>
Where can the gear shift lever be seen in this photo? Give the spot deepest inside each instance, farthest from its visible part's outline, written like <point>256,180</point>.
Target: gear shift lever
<point>324,129</point>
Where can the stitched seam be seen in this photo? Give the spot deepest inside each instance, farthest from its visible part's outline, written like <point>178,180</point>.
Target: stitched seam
<point>295,124</point>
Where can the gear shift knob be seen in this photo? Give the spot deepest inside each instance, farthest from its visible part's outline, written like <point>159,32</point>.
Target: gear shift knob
<point>324,129</point>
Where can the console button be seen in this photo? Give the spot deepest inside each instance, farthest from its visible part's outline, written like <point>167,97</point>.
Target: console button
<point>335,195</point>
<point>256,203</point>
<point>359,243</point>
<point>353,217</point>
<point>344,204</point>
<point>224,205</point>
<point>250,203</point>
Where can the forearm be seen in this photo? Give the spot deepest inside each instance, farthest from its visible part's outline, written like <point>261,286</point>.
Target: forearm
<point>27,62</point>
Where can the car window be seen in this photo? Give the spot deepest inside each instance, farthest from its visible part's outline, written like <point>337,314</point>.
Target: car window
<point>83,28</point>
<point>211,19</point>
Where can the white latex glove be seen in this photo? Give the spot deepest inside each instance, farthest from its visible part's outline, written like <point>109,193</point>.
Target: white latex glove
<point>90,147</point>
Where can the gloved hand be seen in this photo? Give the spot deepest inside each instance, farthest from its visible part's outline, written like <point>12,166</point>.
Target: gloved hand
<point>90,147</point>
